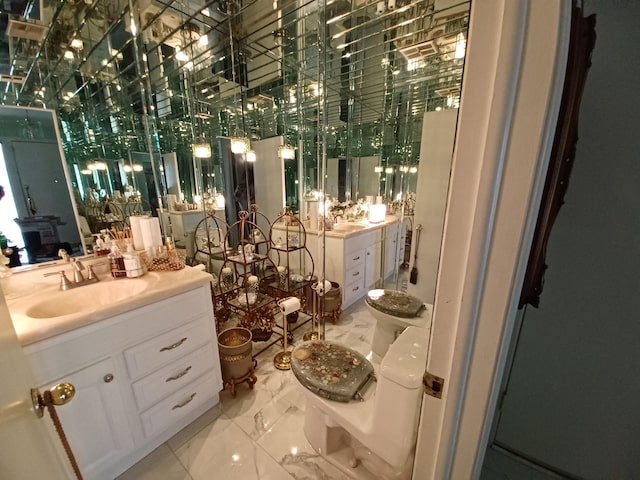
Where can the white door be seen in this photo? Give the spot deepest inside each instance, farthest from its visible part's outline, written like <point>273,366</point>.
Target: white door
<point>511,92</point>
<point>25,450</point>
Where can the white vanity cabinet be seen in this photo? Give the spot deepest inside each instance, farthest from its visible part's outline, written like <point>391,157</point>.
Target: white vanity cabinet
<point>95,422</point>
<point>394,240</point>
<point>140,377</point>
<point>354,262</point>
<point>182,223</point>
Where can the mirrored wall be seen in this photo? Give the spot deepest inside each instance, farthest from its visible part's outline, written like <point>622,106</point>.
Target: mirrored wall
<point>158,98</point>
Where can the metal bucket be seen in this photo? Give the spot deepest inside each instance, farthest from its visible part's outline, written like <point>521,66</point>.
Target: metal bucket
<point>332,301</point>
<point>235,348</point>
<point>332,298</point>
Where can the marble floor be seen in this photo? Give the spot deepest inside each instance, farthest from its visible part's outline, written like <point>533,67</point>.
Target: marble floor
<point>259,433</point>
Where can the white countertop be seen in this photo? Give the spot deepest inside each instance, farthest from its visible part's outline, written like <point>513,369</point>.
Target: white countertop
<point>336,232</point>
<point>99,301</point>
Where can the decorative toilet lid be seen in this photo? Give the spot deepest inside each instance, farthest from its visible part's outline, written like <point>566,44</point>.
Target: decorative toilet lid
<point>330,370</point>
<point>395,302</point>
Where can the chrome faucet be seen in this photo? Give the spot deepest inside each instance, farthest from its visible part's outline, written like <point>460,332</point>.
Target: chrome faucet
<point>78,278</point>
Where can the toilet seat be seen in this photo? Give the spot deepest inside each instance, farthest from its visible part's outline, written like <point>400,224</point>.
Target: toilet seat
<point>331,370</point>
<point>395,303</point>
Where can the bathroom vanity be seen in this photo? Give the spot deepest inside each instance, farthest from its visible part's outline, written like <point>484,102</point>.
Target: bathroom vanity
<point>361,258</point>
<point>144,366</point>
<point>359,255</point>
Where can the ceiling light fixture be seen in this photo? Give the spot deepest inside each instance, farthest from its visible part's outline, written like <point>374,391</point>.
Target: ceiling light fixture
<point>286,152</point>
<point>239,145</point>
<point>201,148</point>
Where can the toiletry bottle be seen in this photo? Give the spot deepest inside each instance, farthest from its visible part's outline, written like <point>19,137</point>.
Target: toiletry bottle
<point>132,263</point>
<point>117,263</point>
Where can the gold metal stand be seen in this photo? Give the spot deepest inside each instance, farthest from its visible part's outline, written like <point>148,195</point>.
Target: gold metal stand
<point>312,335</point>
<point>282,360</point>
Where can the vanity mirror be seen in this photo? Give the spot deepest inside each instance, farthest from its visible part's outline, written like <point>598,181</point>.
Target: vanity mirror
<point>37,214</point>
<point>349,81</point>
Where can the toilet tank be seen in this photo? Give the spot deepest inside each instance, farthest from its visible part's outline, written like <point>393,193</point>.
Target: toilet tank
<point>406,359</point>
<point>399,395</point>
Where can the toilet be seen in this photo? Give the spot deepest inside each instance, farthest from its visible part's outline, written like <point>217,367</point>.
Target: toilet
<point>394,311</point>
<point>374,435</point>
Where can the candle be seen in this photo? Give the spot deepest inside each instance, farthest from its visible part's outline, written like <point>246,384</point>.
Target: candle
<point>280,269</point>
<point>226,270</point>
<point>253,279</point>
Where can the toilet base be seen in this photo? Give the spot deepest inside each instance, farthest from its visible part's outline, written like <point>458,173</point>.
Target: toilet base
<point>345,452</point>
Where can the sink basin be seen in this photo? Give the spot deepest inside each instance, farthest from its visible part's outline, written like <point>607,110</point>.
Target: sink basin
<point>85,298</point>
<point>348,227</point>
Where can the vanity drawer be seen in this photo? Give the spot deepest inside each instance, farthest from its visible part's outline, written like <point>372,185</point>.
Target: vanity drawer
<point>167,347</point>
<point>354,274</point>
<point>354,258</point>
<point>174,408</point>
<point>174,376</point>
<point>353,291</point>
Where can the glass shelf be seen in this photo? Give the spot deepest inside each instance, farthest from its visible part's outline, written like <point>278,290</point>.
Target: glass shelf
<point>288,249</point>
<point>243,260</point>
<point>291,288</point>
<point>219,289</point>
<point>261,301</point>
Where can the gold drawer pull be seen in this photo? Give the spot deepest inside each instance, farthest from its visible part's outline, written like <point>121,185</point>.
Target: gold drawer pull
<point>175,345</point>
<point>356,274</point>
<point>179,375</point>
<point>356,258</point>
<point>355,289</point>
<point>188,400</point>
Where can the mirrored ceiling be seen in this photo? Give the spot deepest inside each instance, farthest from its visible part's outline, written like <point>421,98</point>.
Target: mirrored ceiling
<point>131,80</point>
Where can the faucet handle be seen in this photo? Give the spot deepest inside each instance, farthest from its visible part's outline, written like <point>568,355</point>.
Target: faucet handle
<point>62,253</point>
<point>65,283</point>
<point>92,275</point>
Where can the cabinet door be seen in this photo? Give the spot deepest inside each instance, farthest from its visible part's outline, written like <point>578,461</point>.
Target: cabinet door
<point>390,256</point>
<point>372,264</point>
<point>94,420</point>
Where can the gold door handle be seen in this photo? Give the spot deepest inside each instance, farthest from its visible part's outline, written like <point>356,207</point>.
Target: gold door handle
<point>61,394</point>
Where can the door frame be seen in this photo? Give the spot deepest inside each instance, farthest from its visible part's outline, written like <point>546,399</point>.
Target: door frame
<point>516,57</point>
